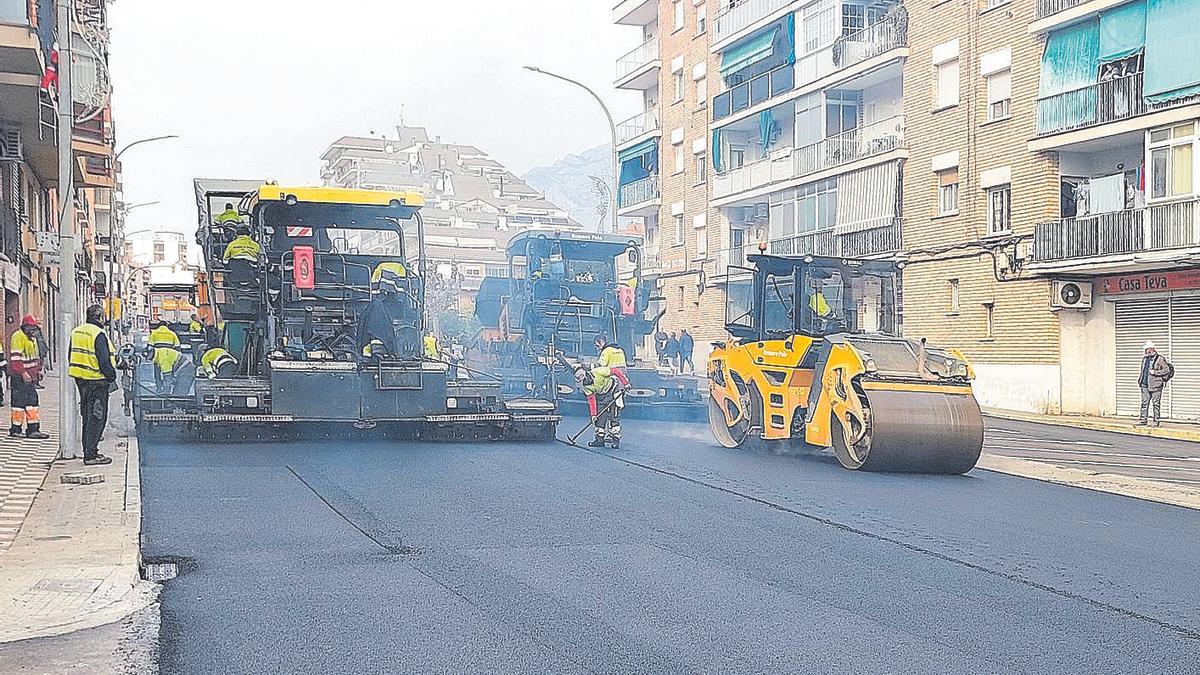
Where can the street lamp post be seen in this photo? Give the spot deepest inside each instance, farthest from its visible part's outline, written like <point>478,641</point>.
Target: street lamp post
<point>114,246</point>
<point>612,127</point>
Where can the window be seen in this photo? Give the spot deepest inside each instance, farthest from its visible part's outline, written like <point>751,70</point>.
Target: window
<point>820,25</point>
<point>999,201</point>
<point>677,86</point>
<point>992,4</point>
<point>854,19</point>
<point>946,84</point>
<point>701,168</point>
<point>678,9</point>
<point>737,158</point>
<point>948,192</point>
<point>990,327</point>
<point>702,91</point>
<point>999,93</point>
<point>678,229</point>
<point>700,225</point>
<point>701,20</point>
<point>160,251</point>
<point>1172,157</point>
<point>183,252</point>
<point>679,157</point>
<point>954,296</point>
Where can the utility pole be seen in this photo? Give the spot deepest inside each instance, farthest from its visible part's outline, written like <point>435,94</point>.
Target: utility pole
<point>612,128</point>
<point>67,304</point>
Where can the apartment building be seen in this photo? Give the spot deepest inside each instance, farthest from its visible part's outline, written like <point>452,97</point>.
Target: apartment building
<point>1118,109</point>
<point>29,155</point>
<point>473,204</point>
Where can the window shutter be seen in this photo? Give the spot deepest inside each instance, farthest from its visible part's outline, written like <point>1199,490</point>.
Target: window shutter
<point>948,177</point>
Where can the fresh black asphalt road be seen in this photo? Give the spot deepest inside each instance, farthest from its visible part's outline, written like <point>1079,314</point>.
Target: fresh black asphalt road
<point>670,555</point>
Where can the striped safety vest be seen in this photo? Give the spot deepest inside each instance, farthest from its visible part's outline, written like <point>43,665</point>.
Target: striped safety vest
<point>214,359</point>
<point>85,365</point>
<point>23,349</point>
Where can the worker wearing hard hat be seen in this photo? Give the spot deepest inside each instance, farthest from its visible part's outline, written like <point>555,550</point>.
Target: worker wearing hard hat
<point>195,326</point>
<point>24,368</point>
<point>167,352</point>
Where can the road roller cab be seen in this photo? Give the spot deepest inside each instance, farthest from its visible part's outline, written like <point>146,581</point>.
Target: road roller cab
<point>815,359</point>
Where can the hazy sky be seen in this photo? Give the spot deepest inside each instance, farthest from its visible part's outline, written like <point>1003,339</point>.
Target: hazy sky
<point>259,88</point>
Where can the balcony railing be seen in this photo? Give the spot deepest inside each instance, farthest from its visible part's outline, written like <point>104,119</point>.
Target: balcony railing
<point>741,13</point>
<point>878,38</point>
<point>875,241</point>
<point>1155,227</point>
<point>637,125</point>
<point>636,59</point>
<point>850,146</point>
<point>1046,8</point>
<point>639,191</point>
<point>1096,104</point>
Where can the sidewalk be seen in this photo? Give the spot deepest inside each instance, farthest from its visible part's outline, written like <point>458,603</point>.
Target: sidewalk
<point>24,463</point>
<point>73,560</point>
<point>1174,430</point>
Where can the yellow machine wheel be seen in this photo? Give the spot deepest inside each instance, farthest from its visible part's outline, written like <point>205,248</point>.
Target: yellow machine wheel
<point>912,432</point>
<point>735,434</point>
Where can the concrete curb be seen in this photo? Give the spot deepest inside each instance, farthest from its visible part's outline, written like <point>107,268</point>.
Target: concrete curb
<point>1096,425</point>
<point>123,591</point>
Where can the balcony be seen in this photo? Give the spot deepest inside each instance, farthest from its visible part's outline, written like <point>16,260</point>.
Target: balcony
<point>20,47</point>
<point>1151,228</point>
<point>1097,104</point>
<point>639,68</point>
<point>871,140</point>
<point>1047,8</point>
<point>637,126</point>
<point>635,12</point>
<point>639,198</point>
<point>847,51</point>
<point>740,16</point>
<point>866,243</point>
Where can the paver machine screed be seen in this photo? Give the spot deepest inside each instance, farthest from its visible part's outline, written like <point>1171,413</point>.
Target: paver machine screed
<point>327,324</point>
<point>815,360</point>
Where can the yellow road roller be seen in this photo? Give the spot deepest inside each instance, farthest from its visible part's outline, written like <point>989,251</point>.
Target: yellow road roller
<point>815,360</point>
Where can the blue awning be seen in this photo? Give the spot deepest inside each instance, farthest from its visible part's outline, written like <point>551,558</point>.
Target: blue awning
<point>1172,33</point>
<point>1122,31</point>
<point>748,52</point>
<point>639,149</point>
<point>1071,59</point>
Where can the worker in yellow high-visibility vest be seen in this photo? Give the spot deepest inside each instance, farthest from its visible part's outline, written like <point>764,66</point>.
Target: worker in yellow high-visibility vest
<point>93,367</point>
<point>167,351</point>
<point>25,370</point>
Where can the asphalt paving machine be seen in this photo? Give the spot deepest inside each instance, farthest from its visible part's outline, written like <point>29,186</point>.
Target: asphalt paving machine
<point>815,360</point>
<point>563,290</point>
<point>327,325</point>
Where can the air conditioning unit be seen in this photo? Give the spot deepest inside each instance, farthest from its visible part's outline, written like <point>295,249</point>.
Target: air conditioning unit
<point>1071,295</point>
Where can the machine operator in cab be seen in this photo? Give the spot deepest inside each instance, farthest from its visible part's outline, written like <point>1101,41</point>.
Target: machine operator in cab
<point>229,215</point>
<point>388,326</point>
<point>241,256</point>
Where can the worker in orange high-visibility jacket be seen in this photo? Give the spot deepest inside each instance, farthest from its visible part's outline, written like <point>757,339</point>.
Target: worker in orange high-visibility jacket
<point>25,370</point>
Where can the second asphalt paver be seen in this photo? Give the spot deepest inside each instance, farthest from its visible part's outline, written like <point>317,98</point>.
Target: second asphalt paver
<point>671,555</point>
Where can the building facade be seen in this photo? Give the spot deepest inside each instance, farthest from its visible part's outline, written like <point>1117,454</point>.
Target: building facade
<point>1033,164</point>
<point>29,150</point>
<point>473,204</point>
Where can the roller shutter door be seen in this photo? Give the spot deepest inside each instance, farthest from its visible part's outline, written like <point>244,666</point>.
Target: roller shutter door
<point>1173,324</point>
<point>1136,322</point>
<point>1185,354</point>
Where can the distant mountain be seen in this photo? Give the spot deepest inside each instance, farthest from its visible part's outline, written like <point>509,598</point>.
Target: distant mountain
<point>567,183</point>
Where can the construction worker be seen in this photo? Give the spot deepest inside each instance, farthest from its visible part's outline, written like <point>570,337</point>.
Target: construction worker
<point>613,358</point>
<point>431,347</point>
<point>243,247</point>
<point>217,362</point>
<point>25,369</point>
<point>92,366</point>
<point>195,327</point>
<point>167,351</point>
<point>389,324</point>
<point>229,215</point>
<point>601,389</point>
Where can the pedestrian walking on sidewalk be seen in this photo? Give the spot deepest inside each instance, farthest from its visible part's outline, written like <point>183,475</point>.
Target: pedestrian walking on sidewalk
<point>1156,372</point>
<point>24,371</point>
<point>687,348</point>
<point>94,372</point>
